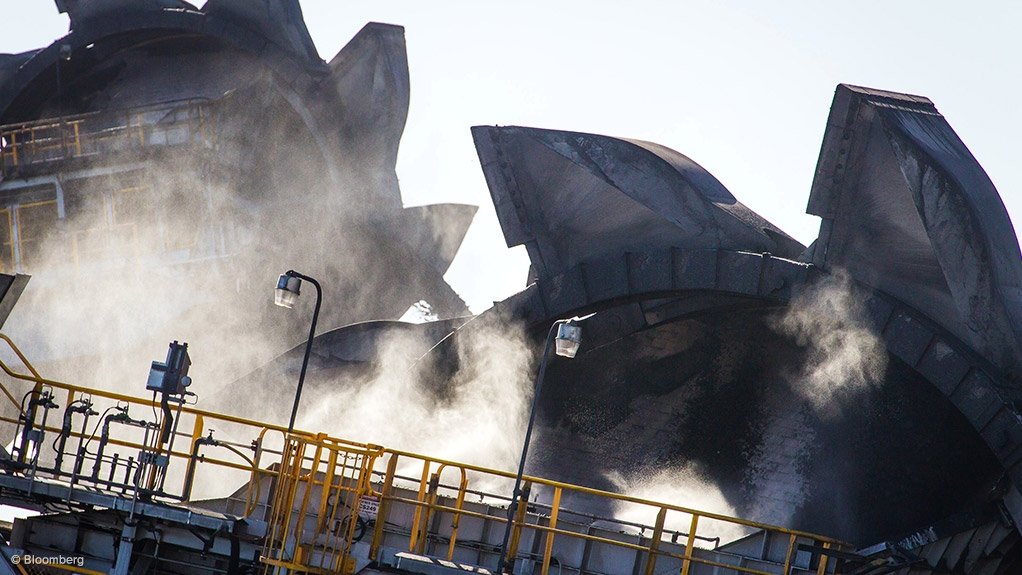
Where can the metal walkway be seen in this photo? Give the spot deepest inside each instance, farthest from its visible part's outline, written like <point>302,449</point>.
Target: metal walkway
<point>122,501</point>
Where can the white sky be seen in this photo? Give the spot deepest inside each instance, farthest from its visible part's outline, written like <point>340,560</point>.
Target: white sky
<point>743,88</point>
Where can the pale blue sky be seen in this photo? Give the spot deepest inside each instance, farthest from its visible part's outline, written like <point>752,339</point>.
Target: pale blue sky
<point>743,88</point>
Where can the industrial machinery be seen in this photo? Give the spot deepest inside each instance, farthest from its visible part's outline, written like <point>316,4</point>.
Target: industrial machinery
<point>865,387</point>
<point>168,153</point>
<point>114,492</point>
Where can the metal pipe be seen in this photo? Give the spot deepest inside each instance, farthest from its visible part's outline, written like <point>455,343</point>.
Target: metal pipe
<point>104,438</point>
<point>129,466</point>
<point>46,401</point>
<point>170,446</point>
<point>120,417</point>
<point>193,458</point>
<point>65,431</point>
<point>82,406</point>
<point>80,452</point>
<point>113,470</point>
<point>26,416</point>
<point>145,459</point>
<point>168,419</point>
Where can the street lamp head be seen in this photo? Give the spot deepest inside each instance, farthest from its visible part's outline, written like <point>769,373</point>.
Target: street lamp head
<point>288,289</point>
<point>568,339</point>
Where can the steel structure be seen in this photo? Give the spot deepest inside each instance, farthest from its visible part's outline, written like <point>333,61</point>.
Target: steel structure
<point>189,145</point>
<point>686,360</point>
<point>165,149</point>
<point>317,504</point>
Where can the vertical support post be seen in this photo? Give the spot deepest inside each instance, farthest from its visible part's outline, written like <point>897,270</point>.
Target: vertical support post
<point>186,487</point>
<point>303,509</point>
<point>16,237</point>
<point>124,550</point>
<point>822,568</point>
<point>327,490</point>
<point>381,514</point>
<point>427,514</point>
<point>518,522</point>
<point>29,425</point>
<point>346,563</point>
<point>59,192</point>
<point>548,551</point>
<point>290,475</point>
<point>14,147</point>
<point>456,520</point>
<point>690,544</point>
<point>654,544</point>
<point>417,515</point>
<point>787,556</point>
<point>252,493</point>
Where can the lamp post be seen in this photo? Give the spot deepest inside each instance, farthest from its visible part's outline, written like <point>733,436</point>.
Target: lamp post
<point>288,289</point>
<point>568,338</point>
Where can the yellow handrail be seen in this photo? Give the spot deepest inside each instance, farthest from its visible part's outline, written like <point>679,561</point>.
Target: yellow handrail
<point>74,136</point>
<point>611,495</point>
<point>145,402</point>
<point>319,475</point>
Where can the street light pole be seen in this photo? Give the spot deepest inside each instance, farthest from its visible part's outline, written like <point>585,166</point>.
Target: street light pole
<point>571,337</point>
<point>292,288</point>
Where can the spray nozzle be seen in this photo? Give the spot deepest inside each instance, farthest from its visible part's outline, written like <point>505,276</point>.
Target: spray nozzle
<point>46,400</point>
<point>83,406</point>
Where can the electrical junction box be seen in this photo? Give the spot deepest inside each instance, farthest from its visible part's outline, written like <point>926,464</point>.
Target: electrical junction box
<point>171,376</point>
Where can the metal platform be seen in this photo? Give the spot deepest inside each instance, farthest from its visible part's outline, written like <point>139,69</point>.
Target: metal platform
<point>318,504</point>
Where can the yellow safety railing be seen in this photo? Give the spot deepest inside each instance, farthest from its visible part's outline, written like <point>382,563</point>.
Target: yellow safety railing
<point>318,485</point>
<point>426,503</point>
<point>314,514</point>
<point>81,135</point>
<point>254,457</point>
